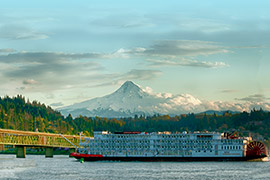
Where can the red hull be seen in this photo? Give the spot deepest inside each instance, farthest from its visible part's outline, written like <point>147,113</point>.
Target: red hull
<point>99,157</point>
<point>78,155</point>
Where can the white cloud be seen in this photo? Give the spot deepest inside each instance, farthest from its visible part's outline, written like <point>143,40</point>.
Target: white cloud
<point>185,62</point>
<point>7,50</point>
<point>120,53</point>
<point>142,74</point>
<point>203,25</point>
<point>186,103</point>
<point>148,90</point>
<point>185,99</point>
<point>254,98</point>
<point>130,21</point>
<point>177,53</point>
<point>30,35</point>
<point>134,74</point>
<point>176,48</point>
<point>29,82</point>
<point>178,104</point>
<point>49,70</point>
<point>18,32</point>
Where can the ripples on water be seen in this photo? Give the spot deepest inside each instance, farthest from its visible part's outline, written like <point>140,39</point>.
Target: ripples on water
<point>62,167</point>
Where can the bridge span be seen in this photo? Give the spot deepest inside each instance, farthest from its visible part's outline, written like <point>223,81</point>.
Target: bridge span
<point>23,139</point>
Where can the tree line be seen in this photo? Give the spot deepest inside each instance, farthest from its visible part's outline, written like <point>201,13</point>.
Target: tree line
<point>21,114</point>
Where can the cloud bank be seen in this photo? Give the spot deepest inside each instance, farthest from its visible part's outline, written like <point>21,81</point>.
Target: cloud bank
<point>56,70</point>
<point>186,103</point>
<point>190,63</point>
<point>179,53</point>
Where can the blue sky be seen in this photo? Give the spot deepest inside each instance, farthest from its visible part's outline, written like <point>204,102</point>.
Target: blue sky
<point>62,52</point>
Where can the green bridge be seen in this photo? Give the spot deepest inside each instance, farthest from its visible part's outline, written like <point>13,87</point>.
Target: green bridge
<point>23,139</point>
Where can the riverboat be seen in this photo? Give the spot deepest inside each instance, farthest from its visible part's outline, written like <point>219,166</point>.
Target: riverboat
<point>167,146</point>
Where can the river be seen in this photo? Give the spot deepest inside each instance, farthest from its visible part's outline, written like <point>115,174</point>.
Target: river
<point>37,167</point>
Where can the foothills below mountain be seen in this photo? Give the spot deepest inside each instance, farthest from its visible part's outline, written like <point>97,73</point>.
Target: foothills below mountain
<point>130,100</point>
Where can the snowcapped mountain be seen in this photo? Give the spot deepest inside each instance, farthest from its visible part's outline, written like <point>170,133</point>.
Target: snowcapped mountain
<point>131,99</point>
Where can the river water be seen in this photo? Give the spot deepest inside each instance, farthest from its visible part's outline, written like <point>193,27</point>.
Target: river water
<point>37,167</point>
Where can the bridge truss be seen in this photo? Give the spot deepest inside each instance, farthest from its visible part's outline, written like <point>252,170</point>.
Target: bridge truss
<point>37,139</point>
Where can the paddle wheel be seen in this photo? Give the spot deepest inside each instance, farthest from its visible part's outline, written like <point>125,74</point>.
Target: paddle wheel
<point>256,148</point>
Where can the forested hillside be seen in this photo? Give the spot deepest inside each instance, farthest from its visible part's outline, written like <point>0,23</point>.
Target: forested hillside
<point>17,113</point>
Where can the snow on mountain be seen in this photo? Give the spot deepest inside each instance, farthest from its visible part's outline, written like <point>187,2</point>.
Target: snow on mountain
<point>130,99</point>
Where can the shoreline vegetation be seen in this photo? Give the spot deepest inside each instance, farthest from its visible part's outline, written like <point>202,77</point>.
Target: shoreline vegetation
<point>20,114</point>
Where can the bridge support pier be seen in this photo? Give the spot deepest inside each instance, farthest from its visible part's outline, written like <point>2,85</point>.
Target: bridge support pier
<point>20,151</point>
<point>49,152</point>
<point>2,147</point>
<point>71,150</point>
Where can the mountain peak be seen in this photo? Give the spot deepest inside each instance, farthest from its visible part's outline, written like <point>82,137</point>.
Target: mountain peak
<point>129,86</point>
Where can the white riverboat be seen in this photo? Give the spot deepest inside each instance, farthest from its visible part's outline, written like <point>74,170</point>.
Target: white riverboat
<point>167,146</point>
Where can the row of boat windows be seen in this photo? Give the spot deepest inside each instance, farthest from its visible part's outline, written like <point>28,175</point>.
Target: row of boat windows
<point>174,136</point>
<point>126,136</point>
<point>230,147</point>
<point>138,153</point>
<point>122,141</point>
<point>121,147</point>
<point>231,141</point>
<point>155,146</point>
<point>145,136</point>
<point>203,151</point>
<point>186,141</point>
<point>182,141</point>
<point>185,147</point>
<point>154,141</point>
